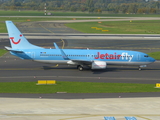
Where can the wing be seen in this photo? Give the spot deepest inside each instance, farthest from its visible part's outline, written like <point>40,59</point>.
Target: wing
<point>80,62</point>
<point>73,62</point>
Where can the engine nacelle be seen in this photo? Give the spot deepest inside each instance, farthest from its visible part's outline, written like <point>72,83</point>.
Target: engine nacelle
<point>98,65</point>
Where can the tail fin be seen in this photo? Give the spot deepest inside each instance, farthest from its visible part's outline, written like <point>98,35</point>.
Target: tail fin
<point>17,40</point>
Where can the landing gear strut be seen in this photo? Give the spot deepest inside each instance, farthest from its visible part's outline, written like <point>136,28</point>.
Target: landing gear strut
<point>139,68</point>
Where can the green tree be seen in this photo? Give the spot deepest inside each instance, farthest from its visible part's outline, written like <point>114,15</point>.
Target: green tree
<point>90,5</point>
<point>132,8</point>
<point>73,8</point>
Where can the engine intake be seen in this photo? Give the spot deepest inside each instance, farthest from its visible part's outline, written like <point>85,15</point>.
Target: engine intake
<point>99,65</point>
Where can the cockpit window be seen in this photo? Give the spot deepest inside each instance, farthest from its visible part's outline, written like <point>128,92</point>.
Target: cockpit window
<point>146,56</point>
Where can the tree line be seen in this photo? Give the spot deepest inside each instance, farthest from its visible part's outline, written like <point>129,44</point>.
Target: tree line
<point>99,6</point>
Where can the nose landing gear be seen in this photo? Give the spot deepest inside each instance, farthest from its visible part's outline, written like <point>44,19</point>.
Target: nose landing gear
<point>141,66</point>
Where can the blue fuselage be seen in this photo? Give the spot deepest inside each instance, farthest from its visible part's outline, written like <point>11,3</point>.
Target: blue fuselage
<point>109,56</point>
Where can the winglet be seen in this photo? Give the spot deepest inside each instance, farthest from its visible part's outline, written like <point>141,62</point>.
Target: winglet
<point>62,52</point>
<point>55,45</point>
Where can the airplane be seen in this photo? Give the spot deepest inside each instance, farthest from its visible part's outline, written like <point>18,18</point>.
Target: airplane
<point>95,59</point>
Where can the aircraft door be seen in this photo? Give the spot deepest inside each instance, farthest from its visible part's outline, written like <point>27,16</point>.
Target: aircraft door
<point>29,55</point>
<point>90,56</point>
<point>32,54</point>
<point>138,57</point>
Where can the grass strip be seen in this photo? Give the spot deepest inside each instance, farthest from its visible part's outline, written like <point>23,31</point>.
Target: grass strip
<point>2,52</point>
<point>69,13</point>
<point>32,19</point>
<point>155,55</point>
<point>76,87</point>
<point>3,28</point>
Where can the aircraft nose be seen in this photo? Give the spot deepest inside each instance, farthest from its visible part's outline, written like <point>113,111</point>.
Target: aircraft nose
<point>152,59</point>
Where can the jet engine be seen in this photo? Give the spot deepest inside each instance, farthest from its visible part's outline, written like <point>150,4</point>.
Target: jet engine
<point>99,65</point>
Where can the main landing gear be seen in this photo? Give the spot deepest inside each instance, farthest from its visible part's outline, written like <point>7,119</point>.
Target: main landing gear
<point>80,67</point>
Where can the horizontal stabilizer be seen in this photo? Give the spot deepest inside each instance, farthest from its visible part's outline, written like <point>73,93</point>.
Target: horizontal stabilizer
<point>10,49</point>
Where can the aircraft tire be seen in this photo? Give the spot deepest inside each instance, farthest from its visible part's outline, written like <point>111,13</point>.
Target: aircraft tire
<point>80,68</point>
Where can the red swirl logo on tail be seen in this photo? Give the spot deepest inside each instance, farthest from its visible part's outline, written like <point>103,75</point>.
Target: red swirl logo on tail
<point>12,39</point>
